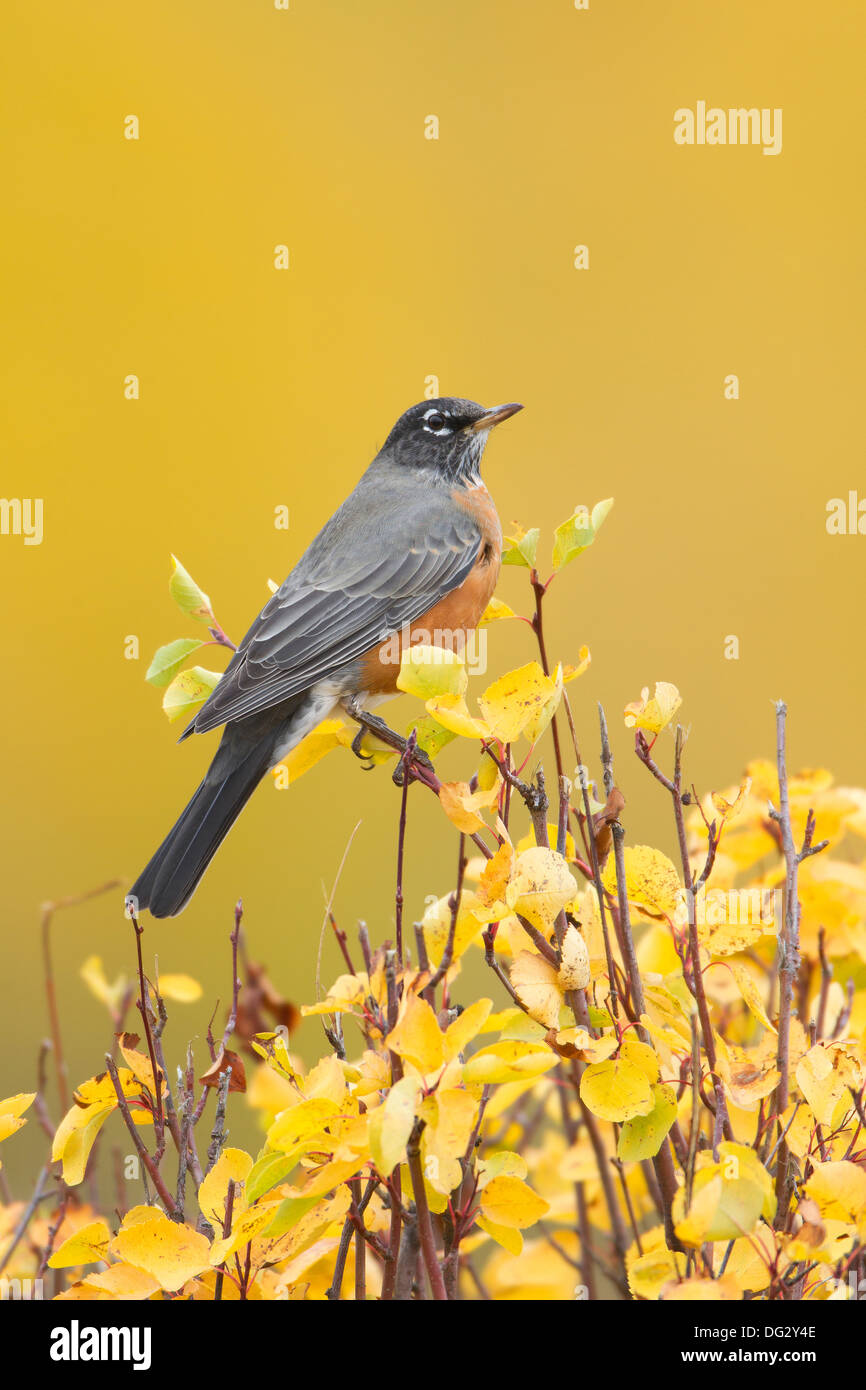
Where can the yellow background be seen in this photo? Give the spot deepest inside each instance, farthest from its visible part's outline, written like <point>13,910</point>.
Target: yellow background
<point>409,257</point>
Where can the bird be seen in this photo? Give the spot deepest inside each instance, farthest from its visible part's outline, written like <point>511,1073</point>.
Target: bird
<point>413,552</point>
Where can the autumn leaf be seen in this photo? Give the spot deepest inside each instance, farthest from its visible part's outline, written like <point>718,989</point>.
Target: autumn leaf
<point>574,971</point>
<point>226,1060</point>
<point>656,713</point>
<point>189,598</point>
<point>188,691</point>
<point>168,660</point>
<point>232,1166</point>
<point>651,881</point>
<point>169,1252</point>
<point>522,701</point>
<point>536,983</point>
<point>508,1061</point>
<point>391,1124</point>
<point>87,1245</point>
<point>616,1089</point>
<point>541,885</point>
<point>642,1136</point>
<point>417,1037</point>
<point>520,546</point>
<point>427,672</point>
<point>577,534</point>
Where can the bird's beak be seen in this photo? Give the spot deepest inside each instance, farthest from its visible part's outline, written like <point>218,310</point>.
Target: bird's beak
<point>494,417</point>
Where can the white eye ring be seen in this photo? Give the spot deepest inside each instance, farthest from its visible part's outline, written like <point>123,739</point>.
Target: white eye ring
<point>436,423</point>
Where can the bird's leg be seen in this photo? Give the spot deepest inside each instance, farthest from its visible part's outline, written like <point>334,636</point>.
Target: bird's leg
<point>371,723</point>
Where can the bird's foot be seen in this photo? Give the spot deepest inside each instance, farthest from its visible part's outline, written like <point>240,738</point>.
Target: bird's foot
<point>371,723</point>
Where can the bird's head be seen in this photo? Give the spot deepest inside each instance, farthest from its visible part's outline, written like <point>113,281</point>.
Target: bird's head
<point>445,436</point>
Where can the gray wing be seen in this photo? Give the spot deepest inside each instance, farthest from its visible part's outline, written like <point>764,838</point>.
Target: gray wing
<point>364,576</point>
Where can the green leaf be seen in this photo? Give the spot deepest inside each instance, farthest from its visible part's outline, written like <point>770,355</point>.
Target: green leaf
<point>431,734</point>
<point>288,1214</point>
<point>189,598</point>
<point>266,1172</point>
<point>577,534</point>
<point>189,690</point>
<point>642,1137</point>
<point>520,550</point>
<point>169,659</point>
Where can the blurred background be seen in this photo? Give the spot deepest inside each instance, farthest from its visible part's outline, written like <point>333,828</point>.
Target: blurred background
<point>410,258</point>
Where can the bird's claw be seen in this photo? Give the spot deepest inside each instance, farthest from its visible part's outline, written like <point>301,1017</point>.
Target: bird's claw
<point>367,762</point>
<point>417,755</point>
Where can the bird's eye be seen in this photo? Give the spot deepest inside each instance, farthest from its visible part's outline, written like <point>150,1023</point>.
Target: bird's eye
<point>435,421</point>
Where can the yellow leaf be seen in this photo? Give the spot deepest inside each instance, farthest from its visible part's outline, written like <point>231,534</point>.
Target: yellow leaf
<point>85,1246</point>
<point>494,878</point>
<point>651,880</point>
<point>839,1189</point>
<point>728,1197</point>
<point>616,1090</point>
<point>536,984</point>
<point>509,1202</point>
<point>459,805</point>
<point>328,1079</point>
<point>187,595</point>
<point>417,1037</point>
<point>294,1127</point>
<point>728,809</point>
<point>522,700</point>
<point>233,1165</point>
<point>311,749</point>
<point>656,713</point>
<point>436,923</point>
<point>494,612</point>
<point>182,989</point>
<point>574,973</point>
<point>642,1055</point>
<point>651,1272</point>
<point>571,673</point>
<point>189,690</point>
<point>751,993</point>
<point>465,1027</point>
<point>642,1137</point>
<point>590,1049</point>
<point>824,1076</point>
<point>330,1175</point>
<point>450,1117</point>
<point>508,1061</point>
<point>428,672</point>
<point>506,1236</point>
<point>11,1110</point>
<point>391,1124</point>
<point>138,1063</point>
<point>245,1228</point>
<point>504,1163</point>
<point>75,1137</point>
<point>452,712</point>
<point>575,535</point>
<point>169,1252</point>
<point>541,885</point>
<point>94,977</point>
<point>123,1281</point>
<point>697,1290</point>
<point>520,546</point>
<point>431,736</point>
<point>731,922</point>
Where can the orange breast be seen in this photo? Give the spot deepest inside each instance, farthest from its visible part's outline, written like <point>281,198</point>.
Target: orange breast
<point>451,621</point>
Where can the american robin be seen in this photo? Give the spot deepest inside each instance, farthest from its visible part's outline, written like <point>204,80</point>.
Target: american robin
<point>413,554</point>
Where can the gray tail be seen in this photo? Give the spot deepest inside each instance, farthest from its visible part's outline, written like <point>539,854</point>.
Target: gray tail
<point>175,871</point>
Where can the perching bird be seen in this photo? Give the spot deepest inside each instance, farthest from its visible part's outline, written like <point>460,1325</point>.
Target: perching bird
<point>416,545</point>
